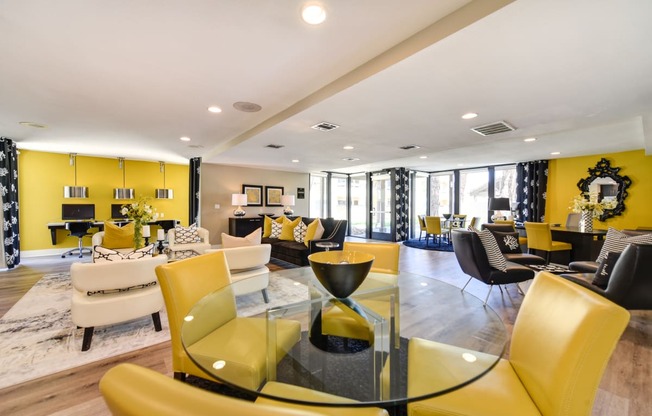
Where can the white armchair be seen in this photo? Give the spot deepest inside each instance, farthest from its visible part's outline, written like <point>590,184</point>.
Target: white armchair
<point>97,240</point>
<point>199,247</point>
<point>113,292</point>
<point>247,265</point>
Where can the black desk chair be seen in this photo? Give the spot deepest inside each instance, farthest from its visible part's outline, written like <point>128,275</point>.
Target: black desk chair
<point>78,229</point>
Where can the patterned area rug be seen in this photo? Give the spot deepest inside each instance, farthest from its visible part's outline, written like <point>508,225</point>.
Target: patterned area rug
<point>37,337</point>
<point>415,243</point>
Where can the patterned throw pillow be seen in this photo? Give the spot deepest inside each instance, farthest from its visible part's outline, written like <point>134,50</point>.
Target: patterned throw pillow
<point>314,231</point>
<point>496,258</point>
<point>276,230</point>
<point>616,241</point>
<point>103,254</point>
<point>507,242</point>
<point>300,232</point>
<point>601,278</point>
<point>267,225</point>
<point>186,235</point>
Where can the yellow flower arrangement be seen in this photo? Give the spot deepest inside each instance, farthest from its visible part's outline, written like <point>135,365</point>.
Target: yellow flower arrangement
<point>580,203</point>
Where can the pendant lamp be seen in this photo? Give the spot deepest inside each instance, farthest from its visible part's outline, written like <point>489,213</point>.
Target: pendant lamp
<point>163,193</point>
<point>75,191</point>
<point>124,192</point>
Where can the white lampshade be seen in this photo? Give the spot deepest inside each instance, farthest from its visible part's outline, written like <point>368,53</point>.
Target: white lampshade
<point>287,200</point>
<point>238,199</point>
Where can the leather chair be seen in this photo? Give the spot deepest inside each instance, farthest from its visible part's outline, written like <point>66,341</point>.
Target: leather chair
<point>113,292</point>
<point>512,228</point>
<point>433,228</point>
<point>78,229</point>
<point>184,283</point>
<point>590,267</point>
<point>472,257</point>
<point>131,390</point>
<point>539,237</point>
<point>630,282</point>
<point>520,258</point>
<point>562,339</point>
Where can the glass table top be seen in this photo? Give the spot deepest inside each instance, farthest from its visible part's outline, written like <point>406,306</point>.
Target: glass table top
<point>360,347</point>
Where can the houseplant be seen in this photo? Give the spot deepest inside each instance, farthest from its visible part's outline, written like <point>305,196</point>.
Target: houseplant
<point>588,205</point>
<point>141,213</point>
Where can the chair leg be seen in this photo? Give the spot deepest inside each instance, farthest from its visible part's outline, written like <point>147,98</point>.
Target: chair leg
<point>179,376</point>
<point>265,296</point>
<point>156,317</point>
<point>81,248</point>
<point>467,282</point>
<point>88,338</point>
<point>518,287</point>
<point>488,293</point>
<point>547,257</point>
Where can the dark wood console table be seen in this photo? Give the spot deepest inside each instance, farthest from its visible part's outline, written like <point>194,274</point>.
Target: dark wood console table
<point>243,226</point>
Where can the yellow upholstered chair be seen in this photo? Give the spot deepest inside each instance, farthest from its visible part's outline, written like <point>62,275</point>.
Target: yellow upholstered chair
<point>234,338</point>
<point>387,255</point>
<point>433,228</point>
<point>563,337</point>
<point>131,390</point>
<point>539,237</point>
<point>422,225</point>
<point>474,223</point>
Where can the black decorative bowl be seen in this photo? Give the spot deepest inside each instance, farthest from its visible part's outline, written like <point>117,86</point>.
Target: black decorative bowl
<point>341,272</point>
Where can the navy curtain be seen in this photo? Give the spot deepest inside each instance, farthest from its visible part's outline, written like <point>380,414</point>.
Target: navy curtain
<point>402,208</point>
<point>531,186</point>
<point>9,194</point>
<point>194,189</point>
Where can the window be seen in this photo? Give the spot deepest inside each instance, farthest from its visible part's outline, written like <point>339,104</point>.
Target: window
<point>419,200</point>
<point>505,183</point>
<point>317,195</point>
<point>441,194</point>
<point>339,200</point>
<point>359,207</point>
<point>474,198</point>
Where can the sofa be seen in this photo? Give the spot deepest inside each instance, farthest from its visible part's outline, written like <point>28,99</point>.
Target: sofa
<point>247,267</point>
<point>297,253</point>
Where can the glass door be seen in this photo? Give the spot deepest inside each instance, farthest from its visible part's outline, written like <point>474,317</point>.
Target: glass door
<point>359,205</point>
<point>381,207</point>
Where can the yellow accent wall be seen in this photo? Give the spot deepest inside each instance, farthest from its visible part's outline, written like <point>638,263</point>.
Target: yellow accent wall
<point>563,175</point>
<point>43,175</point>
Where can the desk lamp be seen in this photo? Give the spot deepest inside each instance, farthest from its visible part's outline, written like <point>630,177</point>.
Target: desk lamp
<point>498,204</point>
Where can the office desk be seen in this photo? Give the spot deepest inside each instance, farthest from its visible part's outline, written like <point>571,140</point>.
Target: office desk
<point>54,226</point>
<point>375,375</point>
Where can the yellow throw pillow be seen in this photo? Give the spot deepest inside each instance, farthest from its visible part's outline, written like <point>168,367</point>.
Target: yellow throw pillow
<point>267,225</point>
<point>287,233</point>
<point>118,237</point>
<point>314,232</point>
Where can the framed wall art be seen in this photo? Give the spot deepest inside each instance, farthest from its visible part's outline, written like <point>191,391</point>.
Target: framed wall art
<point>273,196</point>
<point>254,195</point>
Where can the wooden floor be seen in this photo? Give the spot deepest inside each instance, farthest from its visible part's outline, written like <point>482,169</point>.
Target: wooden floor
<point>625,388</point>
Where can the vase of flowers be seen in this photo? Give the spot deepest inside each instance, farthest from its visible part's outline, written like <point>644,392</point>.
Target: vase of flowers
<point>587,204</point>
<point>141,213</point>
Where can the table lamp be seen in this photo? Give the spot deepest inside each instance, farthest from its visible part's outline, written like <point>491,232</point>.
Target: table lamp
<point>288,202</point>
<point>239,200</point>
<point>498,204</point>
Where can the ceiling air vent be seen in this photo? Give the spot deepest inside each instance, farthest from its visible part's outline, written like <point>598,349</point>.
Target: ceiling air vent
<point>493,128</point>
<point>274,146</point>
<point>324,126</point>
<point>410,147</point>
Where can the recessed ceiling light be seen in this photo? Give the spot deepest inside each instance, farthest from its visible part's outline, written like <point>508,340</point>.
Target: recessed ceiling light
<point>555,153</point>
<point>423,157</point>
<point>247,107</point>
<point>469,116</point>
<point>214,109</point>
<point>351,159</point>
<point>348,148</point>
<point>184,139</point>
<point>530,139</point>
<point>295,160</point>
<point>313,14</point>
<point>460,164</point>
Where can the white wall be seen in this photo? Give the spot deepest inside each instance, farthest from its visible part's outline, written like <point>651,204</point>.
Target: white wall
<point>219,182</point>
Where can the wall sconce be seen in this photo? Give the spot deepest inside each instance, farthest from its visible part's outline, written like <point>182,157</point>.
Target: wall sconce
<point>163,193</point>
<point>288,202</point>
<point>75,191</point>
<point>124,192</point>
<point>239,200</point>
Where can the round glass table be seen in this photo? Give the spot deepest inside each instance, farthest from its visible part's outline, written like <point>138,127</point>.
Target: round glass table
<point>392,334</point>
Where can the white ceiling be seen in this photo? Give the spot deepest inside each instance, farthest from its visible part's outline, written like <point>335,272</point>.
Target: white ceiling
<point>127,79</point>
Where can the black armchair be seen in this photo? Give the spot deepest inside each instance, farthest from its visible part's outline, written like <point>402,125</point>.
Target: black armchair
<point>472,257</point>
<point>630,283</point>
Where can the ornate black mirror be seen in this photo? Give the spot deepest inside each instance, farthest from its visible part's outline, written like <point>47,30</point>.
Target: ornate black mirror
<point>605,182</point>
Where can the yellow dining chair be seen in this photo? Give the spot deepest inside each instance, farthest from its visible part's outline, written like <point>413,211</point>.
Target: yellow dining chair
<point>422,225</point>
<point>236,339</point>
<point>539,237</point>
<point>474,223</point>
<point>433,228</point>
<point>562,339</point>
<point>131,390</point>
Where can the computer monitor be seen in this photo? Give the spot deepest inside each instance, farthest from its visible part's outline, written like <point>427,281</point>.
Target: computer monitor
<point>73,212</point>
<point>116,212</point>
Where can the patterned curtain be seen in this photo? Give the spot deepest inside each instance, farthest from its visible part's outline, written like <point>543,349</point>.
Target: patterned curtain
<point>194,189</point>
<point>9,195</point>
<point>402,198</point>
<point>531,186</point>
